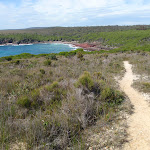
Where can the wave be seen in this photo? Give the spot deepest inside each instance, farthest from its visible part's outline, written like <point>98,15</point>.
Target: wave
<point>73,46</point>
<point>70,45</point>
<point>15,45</point>
<point>21,44</point>
<point>45,43</point>
<point>24,44</point>
<point>58,43</point>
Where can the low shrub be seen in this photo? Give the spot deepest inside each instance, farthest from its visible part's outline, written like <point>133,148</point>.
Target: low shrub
<point>47,62</point>
<point>42,71</point>
<point>111,96</point>
<point>57,92</point>
<point>52,57</point>
<point>24,101</point>
<point>35,98</point>
<point>8,58</point>
<point>146,85</point>
<point>80,55</point>
<point>52,86</point>
<point>51,72</point>
<point>35,94</point>
<point>17,62</point>
<point>98,75</point>
<point>85,80</point>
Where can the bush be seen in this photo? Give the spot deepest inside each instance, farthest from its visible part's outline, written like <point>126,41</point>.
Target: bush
<point>52,57</point>
<point>35,94</point>
<point>8,58</point>
<point>42,71</point>
<point>51,72</point>
<point>98,75</point>
<point>47,62</point>
<point>52,86</point>
<point>85,80</point>
<point>80,55</point>
<point>24,101</point>
<point>35,97</point>
<point>57,91</point>
<point>17,62</point>
<point>146,85</point>
<point>111,96</point>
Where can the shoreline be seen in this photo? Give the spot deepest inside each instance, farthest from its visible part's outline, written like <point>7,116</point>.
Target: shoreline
<point>72,45</point>
<point>95,46</point>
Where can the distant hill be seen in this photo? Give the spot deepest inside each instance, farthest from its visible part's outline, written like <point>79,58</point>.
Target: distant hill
<point>64,30</point>
<point>108,37</point>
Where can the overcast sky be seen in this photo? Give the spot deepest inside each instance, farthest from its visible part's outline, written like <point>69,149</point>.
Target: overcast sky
<point>15,14</point>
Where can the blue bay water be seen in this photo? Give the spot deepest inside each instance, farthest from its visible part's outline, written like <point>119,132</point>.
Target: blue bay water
<point>45,48</point>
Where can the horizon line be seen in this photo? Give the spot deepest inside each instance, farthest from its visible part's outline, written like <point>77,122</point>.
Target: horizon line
<point>76,26</point>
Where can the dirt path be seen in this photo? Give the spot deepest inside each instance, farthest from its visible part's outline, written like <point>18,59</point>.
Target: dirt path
<point>139,121</point>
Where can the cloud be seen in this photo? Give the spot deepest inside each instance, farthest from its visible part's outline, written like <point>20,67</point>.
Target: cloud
<point>29,13</point>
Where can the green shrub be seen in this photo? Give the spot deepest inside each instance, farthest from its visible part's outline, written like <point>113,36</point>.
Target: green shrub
<point>146,85</point>
<point>80,55</point>
<point>8,58</point>
<point>51,72</point>
<point>85,80</point>
<point>47,62</point>
<point>68,54</point>
<point>42,71</point>
<point>111,96</point>
<point>98,75</point>
<point>57,90</point>
<point>52,86</point>
<point>107,93</point>
<point>105,55</point>
<point>60,79</point>
<point>52,57</point>
<point>24,101</point>
<point>35,94</point>
<point>23,56</point>
<point>17,62</point>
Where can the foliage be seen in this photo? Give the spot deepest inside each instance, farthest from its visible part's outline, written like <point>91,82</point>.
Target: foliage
<point>111,96</point>
<point>80,55</point>
<point>24,101</point>
<point>42,71</point>
<point>47,62</point>
<point>52,57</point>
<point>85,80</point>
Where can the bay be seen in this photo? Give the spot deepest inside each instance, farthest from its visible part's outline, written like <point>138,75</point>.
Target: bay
<point>45,48</point>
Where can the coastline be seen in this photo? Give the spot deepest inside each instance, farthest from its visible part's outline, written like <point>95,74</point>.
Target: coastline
<point>95,46</point>
<point>67,46</point>
<point>70,44</point>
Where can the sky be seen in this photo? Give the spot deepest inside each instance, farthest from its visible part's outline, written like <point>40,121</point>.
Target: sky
<point>19,14</point>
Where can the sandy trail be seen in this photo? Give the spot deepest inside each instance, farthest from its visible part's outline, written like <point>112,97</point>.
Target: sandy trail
<point>139,121</point>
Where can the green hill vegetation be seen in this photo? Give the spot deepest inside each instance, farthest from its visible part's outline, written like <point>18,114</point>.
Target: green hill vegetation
<point>119,37</point>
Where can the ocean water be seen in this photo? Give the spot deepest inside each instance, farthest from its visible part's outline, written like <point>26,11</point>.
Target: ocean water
<point>45,48</point>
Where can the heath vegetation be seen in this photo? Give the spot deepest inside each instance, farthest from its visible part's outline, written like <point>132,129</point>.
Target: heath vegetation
<point>51,103</point>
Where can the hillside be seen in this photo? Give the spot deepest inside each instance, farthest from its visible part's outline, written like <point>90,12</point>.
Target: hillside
<point>105,37</point>
<point>62,101</point>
